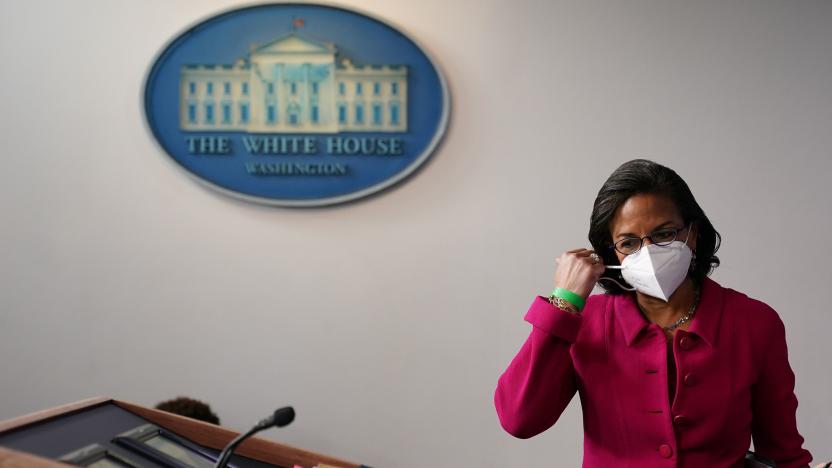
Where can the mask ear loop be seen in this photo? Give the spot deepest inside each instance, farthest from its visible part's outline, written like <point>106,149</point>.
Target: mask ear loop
<point>693,252</point>
<point>615,267</point>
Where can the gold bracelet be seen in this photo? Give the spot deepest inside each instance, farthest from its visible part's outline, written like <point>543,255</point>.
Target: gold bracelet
<point>563,304</point>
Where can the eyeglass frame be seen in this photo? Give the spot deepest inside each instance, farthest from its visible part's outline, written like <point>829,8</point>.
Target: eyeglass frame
<point>614,245</point>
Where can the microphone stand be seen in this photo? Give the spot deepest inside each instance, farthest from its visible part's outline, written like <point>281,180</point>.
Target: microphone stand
<point>281,417</point>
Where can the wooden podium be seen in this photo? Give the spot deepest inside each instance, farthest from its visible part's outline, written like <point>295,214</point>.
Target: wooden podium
<point>42,439</point>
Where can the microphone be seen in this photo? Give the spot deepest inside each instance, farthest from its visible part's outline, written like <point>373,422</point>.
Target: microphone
<point>280,418</point>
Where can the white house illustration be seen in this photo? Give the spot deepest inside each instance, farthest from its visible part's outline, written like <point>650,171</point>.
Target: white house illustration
<point>294,85</point>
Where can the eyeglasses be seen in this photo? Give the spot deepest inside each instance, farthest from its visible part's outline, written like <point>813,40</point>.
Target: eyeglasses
<point>662,238</point>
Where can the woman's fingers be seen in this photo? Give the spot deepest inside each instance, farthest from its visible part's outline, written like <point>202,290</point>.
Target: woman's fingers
<point>582,252</point>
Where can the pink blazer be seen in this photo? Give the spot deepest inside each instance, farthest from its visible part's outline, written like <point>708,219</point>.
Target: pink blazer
<point>733,382</point>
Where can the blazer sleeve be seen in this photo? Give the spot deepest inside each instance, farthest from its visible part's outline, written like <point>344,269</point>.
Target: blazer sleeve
<point>540,381</point>
<point>774,425</point>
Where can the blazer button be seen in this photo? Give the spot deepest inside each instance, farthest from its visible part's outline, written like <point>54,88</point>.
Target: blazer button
<point>680,420</point>
<point>690,380</point>
<point>686,343</point>
<point>665,451</point>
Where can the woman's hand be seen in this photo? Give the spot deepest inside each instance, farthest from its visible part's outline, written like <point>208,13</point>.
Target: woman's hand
<point>578,272</point>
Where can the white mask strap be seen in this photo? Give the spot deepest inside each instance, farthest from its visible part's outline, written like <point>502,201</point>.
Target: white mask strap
<point>687,237</point>
<point>616,282</point>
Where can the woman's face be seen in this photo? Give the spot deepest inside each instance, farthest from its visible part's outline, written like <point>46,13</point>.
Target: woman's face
<point>645,213</point>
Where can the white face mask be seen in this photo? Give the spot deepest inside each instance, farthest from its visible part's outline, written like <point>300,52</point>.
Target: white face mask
<point>655,270</point>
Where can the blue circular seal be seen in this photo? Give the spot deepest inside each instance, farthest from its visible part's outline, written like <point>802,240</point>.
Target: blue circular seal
<point>296,104</point>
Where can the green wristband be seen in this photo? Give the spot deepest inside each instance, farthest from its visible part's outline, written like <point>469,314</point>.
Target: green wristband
<point>570,297</point>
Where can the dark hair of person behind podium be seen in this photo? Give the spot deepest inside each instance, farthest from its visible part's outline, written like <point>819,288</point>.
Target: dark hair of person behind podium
<point>641,176</point>
<point>189,407</point>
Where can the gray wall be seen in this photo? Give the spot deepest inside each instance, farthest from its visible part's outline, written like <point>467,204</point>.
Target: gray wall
<point>386,322</point>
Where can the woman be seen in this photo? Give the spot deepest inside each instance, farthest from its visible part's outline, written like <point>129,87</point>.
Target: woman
<point>678,372</point>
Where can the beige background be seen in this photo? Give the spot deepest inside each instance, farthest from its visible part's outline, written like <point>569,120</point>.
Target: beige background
<point>386,322</point>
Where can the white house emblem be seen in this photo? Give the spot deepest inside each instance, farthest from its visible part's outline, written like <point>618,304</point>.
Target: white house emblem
<point>296,104</point>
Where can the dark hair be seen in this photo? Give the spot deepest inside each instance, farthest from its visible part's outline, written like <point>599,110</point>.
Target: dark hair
<point>642,176</point>
<point>189,407</point>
